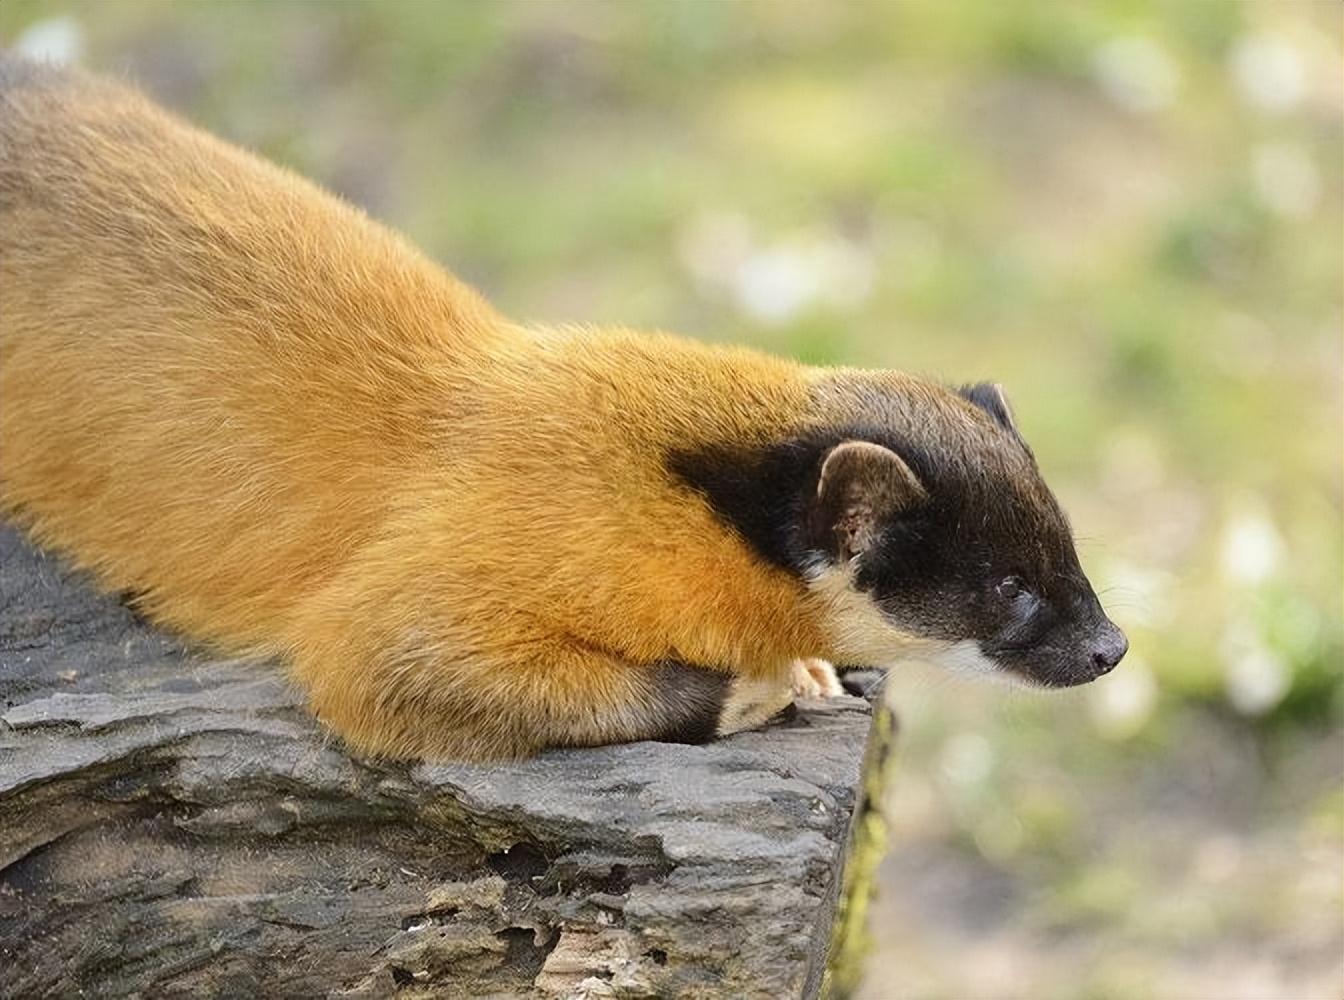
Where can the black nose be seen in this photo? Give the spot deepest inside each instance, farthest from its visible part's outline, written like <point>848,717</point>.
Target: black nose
<point>1110,648</point>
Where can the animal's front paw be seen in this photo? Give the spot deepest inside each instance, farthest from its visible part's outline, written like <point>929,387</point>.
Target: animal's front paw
<point>814,678</point>
<point>751,703</point>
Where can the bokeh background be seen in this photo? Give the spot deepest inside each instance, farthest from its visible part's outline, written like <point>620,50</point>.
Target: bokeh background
<point>1129,213</point>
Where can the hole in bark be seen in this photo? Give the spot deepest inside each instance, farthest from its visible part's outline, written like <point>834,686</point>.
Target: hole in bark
<point>618,882</point>
<point>519,862</point>
<point>522,951</point>
<point>420,920</point>
<point>657,956</point>
<point>401,977</point>
<point>187,889</point>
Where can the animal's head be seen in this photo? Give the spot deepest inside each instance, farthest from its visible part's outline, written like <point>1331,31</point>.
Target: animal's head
<point>919,518</point>
<point>942,521</point>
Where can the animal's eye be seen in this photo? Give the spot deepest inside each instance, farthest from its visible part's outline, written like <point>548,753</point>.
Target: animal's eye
<point>1010,587</point>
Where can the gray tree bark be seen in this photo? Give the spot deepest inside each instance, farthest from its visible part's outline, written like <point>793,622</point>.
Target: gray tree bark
<point>173,825</point>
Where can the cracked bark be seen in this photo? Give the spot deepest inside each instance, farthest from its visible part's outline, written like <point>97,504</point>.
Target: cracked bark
<point>173,824</point>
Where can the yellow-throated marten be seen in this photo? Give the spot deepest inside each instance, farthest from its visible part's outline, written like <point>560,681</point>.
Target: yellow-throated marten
<point>288,432</point>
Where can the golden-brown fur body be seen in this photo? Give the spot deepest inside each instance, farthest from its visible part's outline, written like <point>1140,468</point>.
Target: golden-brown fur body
<point>285,431</point>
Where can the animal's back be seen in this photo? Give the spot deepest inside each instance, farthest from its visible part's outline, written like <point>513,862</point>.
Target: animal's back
<point>210,371</point>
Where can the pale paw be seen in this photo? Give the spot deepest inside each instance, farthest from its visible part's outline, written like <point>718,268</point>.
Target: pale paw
<point>751,703</point>
<point>814,678</point>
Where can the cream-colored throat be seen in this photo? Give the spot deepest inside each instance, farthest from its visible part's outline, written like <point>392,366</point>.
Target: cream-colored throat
<point>855,627</point>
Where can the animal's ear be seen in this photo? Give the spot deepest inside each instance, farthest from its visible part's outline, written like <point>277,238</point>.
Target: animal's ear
<point>990,397</point>
<point>860,487</point>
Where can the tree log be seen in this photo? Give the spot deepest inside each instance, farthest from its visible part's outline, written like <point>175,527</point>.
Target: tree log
<point>174,824</point>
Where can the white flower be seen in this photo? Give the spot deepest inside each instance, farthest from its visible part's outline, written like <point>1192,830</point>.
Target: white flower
<point>1252,547</point>
<point>1136,74</point>
<point>967,759</point>
<point>775,284</point>
<point>57,40</point>
<point>1256,681</point>
<point>1269,72</point>
<point>1254,676</point>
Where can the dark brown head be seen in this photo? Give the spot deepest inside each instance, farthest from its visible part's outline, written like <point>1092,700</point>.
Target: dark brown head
<point>953,534</point>
<point>919,515</point>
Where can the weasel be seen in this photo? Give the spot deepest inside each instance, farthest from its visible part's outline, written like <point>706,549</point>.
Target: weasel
<point>286,432</point>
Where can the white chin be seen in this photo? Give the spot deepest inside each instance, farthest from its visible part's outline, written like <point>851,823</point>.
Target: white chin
<point>965,660</point>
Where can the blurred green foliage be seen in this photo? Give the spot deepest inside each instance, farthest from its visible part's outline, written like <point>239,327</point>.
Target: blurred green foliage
<point>1126,211</point>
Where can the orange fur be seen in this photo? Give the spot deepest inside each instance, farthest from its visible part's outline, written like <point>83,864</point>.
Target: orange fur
<point>286,431</point>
